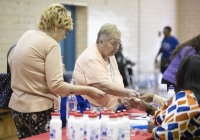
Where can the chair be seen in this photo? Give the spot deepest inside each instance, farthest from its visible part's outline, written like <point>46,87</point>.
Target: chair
<point>2,112</point>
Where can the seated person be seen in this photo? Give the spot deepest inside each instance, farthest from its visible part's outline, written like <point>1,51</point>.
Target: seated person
<point>97,67</point>
<point>190,47</point>
<point>179,117</point>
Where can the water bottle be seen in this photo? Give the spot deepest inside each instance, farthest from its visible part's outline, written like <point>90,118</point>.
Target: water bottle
<point>70,125</point>
<point>103,123</point>
<point>170,92</point>
<point>78,127</point>
<point>125,133</point>
<point>93,127</point>
<point>162,91</point>
<point>71,102</point>
<point>120,124</point>
<point>55,126</point>
<point>86,114</point>
<point>113,127</point>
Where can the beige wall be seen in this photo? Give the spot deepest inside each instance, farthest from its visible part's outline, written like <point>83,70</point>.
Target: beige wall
<point>188,19</point>
<point>154,15</point>
<point>82,28</point>
<point>16,16</point>
<point>139,20</point>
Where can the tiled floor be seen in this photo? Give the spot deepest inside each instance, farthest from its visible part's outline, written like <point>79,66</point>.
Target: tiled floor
<point>7,127</point>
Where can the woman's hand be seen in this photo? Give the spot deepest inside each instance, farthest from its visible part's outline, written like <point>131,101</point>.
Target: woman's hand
<point>139,104</point>
<point>133,93</point>
<point>126,102</point>
<point>134,103</point>
<point>150,126</point>
<point>147,97</point>
<point>94,91</point>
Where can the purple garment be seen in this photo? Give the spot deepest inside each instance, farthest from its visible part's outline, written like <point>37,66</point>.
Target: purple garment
<point>170,73</point>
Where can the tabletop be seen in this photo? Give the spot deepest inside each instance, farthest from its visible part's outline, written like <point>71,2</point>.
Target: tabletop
<point>45,136</point>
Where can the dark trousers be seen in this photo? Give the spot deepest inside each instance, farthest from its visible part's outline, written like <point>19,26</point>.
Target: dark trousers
<point>164,64</point>
<point>29,124</point>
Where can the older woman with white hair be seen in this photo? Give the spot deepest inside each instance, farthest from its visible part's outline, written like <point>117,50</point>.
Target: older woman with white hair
<point>97,67</point>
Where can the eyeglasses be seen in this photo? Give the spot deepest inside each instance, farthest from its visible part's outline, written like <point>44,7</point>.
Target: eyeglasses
<point>67,32</point>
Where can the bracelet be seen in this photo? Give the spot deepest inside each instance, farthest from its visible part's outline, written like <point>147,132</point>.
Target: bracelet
<point>149,110</point>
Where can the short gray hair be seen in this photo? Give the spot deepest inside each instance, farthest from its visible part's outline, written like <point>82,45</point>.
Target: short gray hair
<point>106,30</point>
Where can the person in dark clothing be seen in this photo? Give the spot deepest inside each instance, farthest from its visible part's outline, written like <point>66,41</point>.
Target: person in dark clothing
<point>122,65</point>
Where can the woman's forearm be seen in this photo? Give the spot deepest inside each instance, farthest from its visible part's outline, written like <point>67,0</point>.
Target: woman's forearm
<point>159,100</point>
<point>112,89</point>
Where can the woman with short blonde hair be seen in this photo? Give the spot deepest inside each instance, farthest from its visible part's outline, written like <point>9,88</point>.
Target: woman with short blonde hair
<point>55,15</point>
<point>37,73</point>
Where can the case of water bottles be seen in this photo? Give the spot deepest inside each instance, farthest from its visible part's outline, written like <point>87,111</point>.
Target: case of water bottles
<point>90,126</point>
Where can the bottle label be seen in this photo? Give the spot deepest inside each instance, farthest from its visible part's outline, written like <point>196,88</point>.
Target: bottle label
<point>53,133</point>
<point>103,132</point>
<point>110,134</point>
<point>78,133</point>
<point>72,105</point>
<point>85,131</point>
<point>124,133</point>
<point>121,134</point>
<point>94,133</point>
<point>71,131</point>
<point>113,133</point>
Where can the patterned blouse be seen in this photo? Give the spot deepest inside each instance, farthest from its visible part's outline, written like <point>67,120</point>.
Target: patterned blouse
<point>180,116</point>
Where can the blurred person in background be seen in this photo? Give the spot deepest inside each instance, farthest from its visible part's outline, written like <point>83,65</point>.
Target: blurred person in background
<point>37,73</point>
<point>190,47</point>
<point>97,67</point>
<point>179,117</point>
<point>168,45</point>
<point>122,63</point>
